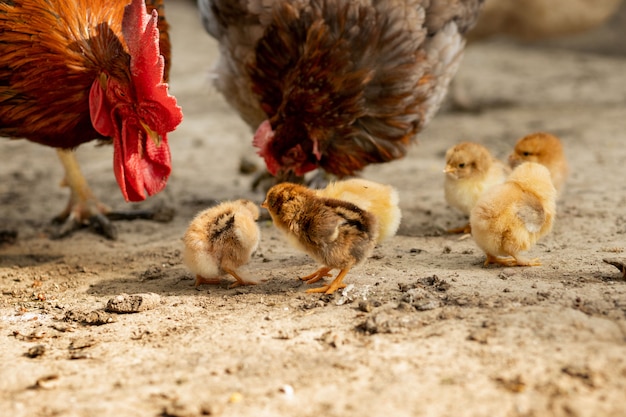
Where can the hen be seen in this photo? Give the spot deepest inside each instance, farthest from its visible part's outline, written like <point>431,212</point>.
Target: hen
<point>72,71</point>
<point>336,84</point>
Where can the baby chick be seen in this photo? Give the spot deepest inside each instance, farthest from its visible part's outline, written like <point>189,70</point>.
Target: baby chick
<point>221,239</point>
<point>336,233</point>
<point>545,149</point>
<point>470,171</point>
<point>379,199</point>
<point>510,218</point>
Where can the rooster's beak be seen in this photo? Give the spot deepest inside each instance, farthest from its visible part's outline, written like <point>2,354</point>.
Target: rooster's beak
<point>156,138</point>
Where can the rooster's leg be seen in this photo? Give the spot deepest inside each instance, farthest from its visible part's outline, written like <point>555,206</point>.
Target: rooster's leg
<point>317,275</point>
<point>83,207</point>
<point>334,286</point>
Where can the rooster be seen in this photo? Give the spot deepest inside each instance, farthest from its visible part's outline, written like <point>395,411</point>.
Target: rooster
<point>72,71</point>
<point>336,84</point>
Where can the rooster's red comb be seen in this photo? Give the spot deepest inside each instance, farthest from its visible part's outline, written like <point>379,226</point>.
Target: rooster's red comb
<point>146,63</point>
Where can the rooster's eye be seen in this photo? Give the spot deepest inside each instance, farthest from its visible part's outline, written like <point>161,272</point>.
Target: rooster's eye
<point>120,93</point>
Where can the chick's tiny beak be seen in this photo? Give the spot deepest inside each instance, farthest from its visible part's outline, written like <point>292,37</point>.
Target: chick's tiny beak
<point>448,170</point>
<point>514,160</point>
<point>264,204</point>
<point>156,138</point>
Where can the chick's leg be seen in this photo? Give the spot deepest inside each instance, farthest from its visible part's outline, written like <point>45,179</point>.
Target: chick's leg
<point>317,275</point>
<point>511,261</point>
<point>463,229</point>
<point>202,280</point>
<point>240,281</point>
<point>334,286</point>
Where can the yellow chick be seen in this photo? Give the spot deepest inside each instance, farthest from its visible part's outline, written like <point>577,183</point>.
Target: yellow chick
<point>470,171</point>
<point>220,239</point>
<point>379,199</point>
<point>545,149</point>
<point>511,217</point>
<point>336,233</point>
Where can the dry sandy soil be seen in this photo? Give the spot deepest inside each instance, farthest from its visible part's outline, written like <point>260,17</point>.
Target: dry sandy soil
<point>423,330</point>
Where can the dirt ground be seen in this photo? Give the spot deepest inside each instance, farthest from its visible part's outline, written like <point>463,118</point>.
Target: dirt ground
<point>423,328</point>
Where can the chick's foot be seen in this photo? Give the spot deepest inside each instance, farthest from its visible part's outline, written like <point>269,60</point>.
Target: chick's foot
<point>463,229</point>
<point>202,280</point>
<point>240,281</point>
<point>511,261</point>
<point>334,286</point>
<point>317,275</point>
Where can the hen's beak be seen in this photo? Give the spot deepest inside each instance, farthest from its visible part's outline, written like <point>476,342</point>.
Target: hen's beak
<point>156,138</point>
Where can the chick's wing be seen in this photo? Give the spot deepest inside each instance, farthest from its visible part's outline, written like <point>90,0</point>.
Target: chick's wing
<point>530,211</point>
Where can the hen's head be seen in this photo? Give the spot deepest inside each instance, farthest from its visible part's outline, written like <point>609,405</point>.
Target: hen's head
<point>135,108</point>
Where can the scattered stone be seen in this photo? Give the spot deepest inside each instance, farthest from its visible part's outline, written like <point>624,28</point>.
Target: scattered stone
<point>35,351</point>
<point>46,382</point>
<point>515,385</point>
<point>619,264</point>
<point>247,166</point>
<point>153,272</point>
<point>133,303</point>
<point>368,305</point>
<point>8,236</point>
<point>92,318</point>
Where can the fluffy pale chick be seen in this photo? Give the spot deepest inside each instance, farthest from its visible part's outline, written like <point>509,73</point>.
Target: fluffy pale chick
<point>220,240</point>
<point>379,199</point>
<point>336,233</point>
<point>470,171</point>
<point>545,149</point>
<point>511,217</point>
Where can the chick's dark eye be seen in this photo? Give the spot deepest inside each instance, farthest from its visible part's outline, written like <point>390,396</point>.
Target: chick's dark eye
<point>526,153</point>
<point>462,165</point>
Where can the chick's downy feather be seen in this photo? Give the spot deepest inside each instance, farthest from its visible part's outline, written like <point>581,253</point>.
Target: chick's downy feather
<point>336,84</point>
<point>220,240</point>
<point>509,218</point>
<point>379,199</point>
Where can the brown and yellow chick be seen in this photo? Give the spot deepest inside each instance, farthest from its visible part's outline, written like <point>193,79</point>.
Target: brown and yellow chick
<point>220,239</point>
<point>511,217</point>
<point>336,233</point>
<point>379,199</point>
<point>470,171</point>
<point>545,149</point>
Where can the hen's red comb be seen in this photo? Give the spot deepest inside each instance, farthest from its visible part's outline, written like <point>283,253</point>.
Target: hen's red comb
<point>146,63</point>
